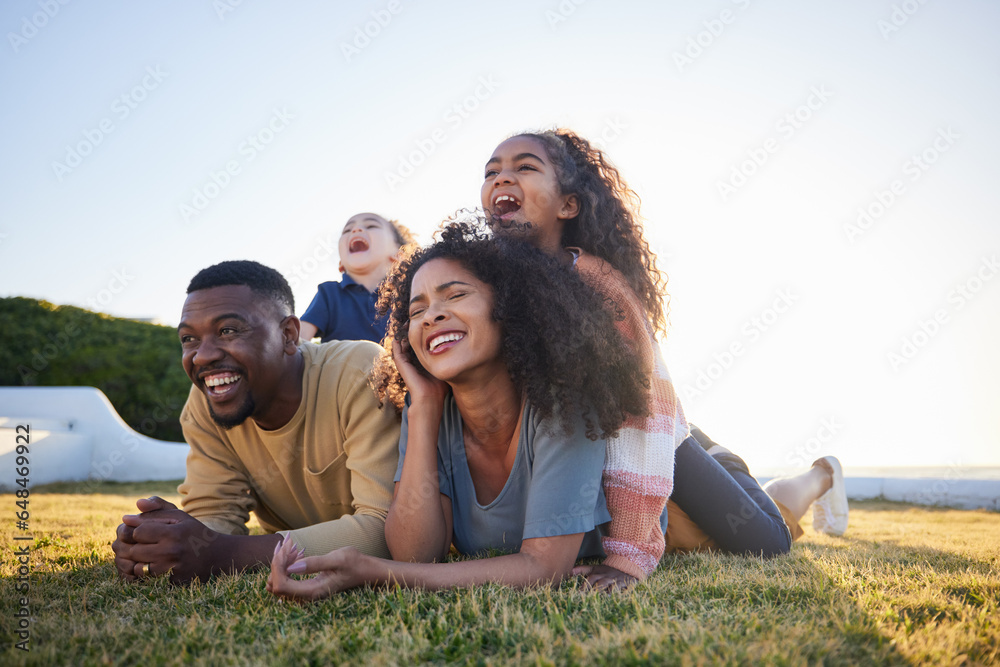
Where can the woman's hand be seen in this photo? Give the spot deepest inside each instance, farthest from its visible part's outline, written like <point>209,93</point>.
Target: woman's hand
<point>420,385</point>
<point>335,572</point>
<point>605,578</point>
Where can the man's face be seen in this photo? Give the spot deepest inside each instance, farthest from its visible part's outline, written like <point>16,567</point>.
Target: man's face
<point>232,348</point>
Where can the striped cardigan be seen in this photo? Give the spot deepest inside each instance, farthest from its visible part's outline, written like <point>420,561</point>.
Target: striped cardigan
<point>639,464</point>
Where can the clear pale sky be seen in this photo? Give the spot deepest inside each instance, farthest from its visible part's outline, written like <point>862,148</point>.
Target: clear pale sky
<point>142,142</point>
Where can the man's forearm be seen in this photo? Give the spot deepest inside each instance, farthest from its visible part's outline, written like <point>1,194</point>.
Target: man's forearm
<point>236,553</point>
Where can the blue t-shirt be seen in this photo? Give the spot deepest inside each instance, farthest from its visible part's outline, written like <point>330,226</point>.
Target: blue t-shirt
<point>554,487</point>
<point>345,311</point>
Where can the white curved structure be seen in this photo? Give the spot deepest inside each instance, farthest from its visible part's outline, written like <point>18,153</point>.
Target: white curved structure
<point>75,434</point>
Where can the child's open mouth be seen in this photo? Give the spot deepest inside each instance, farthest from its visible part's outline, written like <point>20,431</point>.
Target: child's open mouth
<point>357,245</point>
<point>505,205</point>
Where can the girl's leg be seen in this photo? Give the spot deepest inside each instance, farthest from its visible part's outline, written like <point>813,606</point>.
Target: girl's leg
<point>822,486</point>
<point>725,501</point>
<point>799,492</point>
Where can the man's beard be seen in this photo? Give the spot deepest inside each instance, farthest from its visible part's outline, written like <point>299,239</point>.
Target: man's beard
<point>245,410</point>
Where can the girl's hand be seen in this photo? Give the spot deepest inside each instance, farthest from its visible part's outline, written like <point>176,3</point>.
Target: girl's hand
<point>605,578</point>
<point>420,385</point>
<point>335,572</point>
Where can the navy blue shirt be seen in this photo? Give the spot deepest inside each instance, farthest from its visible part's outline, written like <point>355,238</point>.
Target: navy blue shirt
<point>345,310</point>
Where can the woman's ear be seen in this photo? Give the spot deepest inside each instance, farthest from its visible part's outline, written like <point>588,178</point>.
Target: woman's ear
<point>570,208</point>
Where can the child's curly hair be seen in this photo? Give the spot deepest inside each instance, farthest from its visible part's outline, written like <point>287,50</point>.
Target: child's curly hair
<point>608,223</point>
<point>559,340</point>
<point>401,233</point>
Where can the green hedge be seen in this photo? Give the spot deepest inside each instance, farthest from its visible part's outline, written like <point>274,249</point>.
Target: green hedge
<point>137,365</point>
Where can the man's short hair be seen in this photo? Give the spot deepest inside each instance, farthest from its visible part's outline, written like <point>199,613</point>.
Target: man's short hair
<point>259,278</point>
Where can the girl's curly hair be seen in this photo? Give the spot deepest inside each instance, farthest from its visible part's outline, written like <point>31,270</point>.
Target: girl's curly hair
<point>608,224</point>
<point>559,340</point>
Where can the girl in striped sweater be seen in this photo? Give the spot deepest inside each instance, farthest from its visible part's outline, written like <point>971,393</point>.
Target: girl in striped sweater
<point>561,195</point>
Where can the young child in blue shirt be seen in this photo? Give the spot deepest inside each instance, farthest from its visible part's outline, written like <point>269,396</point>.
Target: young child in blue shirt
<point>345,310</point>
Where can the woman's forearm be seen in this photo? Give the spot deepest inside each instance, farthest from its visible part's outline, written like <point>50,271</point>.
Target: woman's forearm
<point>541,561</point>
<point>515,570</point>
<point>416,528</point>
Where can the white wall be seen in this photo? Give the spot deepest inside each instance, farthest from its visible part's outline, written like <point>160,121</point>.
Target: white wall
<point>75,434</point>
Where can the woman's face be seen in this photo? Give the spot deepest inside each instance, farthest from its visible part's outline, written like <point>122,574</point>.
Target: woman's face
<point>452,330</point>
<point>522,185</point>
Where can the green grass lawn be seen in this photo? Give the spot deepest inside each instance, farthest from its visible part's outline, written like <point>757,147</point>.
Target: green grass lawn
<point>906,585</point>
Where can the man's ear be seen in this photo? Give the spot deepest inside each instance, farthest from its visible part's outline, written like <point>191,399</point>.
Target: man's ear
<point>570,208</point>
<point>290,328</point>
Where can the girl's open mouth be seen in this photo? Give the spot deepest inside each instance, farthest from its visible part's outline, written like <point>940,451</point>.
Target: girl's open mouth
<point>505,205</point>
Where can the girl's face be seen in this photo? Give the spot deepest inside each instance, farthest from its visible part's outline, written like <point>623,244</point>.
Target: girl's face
<point>452,330</point>
<point>522,185</point>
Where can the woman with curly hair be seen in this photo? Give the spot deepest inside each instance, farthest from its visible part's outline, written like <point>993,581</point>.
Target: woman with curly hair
<point>513,373</point>
<point>563,196</point>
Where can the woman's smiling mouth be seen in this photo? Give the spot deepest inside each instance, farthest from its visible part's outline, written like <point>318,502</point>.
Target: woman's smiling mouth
<point>436,341</point>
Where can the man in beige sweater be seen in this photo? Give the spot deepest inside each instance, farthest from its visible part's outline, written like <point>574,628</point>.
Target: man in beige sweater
<point>289,431</point>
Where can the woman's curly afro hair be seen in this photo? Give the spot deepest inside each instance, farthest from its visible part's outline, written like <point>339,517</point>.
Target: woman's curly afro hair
<point>559,340</point>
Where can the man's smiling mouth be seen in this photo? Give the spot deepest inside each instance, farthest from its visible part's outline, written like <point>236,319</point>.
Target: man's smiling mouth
<point>220,384</point>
